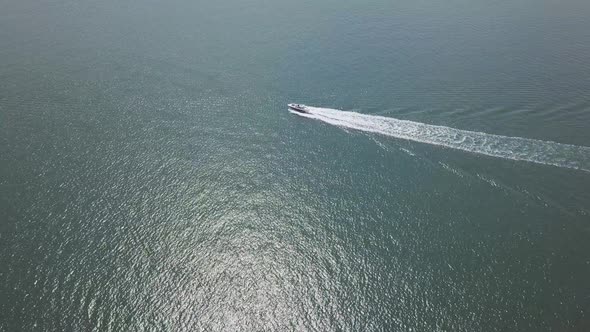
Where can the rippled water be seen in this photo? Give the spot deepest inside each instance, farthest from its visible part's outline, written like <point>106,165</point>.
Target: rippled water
<point>151,177</point>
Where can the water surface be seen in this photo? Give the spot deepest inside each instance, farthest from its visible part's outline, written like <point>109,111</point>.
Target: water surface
<point>151,177</point>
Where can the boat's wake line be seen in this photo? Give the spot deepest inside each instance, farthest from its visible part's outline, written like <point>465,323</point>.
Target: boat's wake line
<point>515,148</point>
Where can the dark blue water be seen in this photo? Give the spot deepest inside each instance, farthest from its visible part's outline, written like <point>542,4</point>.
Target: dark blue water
<point>151,177</point>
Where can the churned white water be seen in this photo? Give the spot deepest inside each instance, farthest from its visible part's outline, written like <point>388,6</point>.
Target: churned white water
<point>515,148</point>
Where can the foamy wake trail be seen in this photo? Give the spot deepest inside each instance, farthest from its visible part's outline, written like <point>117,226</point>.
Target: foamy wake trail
<point>515,148</point>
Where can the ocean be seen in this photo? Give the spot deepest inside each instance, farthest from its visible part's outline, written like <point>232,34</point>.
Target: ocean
<point>153,179</point>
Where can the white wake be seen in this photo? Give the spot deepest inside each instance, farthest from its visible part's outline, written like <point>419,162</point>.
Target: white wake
<point>515,148</point>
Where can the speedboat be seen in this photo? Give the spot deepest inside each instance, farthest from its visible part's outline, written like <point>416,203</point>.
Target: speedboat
<point>298,108</point>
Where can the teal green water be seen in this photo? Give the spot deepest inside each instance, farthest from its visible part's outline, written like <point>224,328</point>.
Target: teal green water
<point>151,177</point>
